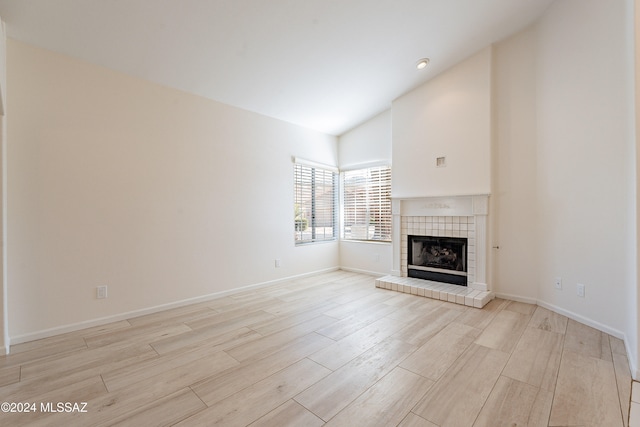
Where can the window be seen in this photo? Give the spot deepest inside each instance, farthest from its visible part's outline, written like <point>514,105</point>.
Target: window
<point>315,205</point>
<point>367,204</point>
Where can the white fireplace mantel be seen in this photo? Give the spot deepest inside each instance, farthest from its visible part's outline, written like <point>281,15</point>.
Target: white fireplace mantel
<point>476,206</point>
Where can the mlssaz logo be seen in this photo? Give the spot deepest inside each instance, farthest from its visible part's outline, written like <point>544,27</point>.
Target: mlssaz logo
<point>63,407</point>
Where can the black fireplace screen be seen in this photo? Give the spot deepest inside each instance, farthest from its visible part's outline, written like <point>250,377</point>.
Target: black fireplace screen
<point>446,253</point>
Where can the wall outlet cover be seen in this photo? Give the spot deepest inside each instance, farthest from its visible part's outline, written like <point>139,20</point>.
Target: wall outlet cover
<point>558,283</point>
<point>101,292</point>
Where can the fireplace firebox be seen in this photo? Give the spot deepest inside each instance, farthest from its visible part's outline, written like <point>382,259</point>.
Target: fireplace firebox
<point>441,259</point>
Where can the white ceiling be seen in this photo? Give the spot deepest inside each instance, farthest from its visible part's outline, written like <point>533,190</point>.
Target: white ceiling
<point>327,65</point>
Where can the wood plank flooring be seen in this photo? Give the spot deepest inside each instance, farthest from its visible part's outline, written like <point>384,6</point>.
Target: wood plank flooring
<point>327,350</point>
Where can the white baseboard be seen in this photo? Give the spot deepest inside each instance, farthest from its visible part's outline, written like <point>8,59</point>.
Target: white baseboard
<point>633,367</point>
<point>46,333</point>
<point>517,298</point>
<point>367,272</point>
<point>584,320</point>
<point>141,312</point>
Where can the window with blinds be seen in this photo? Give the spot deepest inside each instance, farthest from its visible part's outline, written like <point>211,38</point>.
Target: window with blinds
<point>316,201</point>
<point>367,204</point>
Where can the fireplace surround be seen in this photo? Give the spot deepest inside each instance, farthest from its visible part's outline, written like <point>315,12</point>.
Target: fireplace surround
<point>449,217</point>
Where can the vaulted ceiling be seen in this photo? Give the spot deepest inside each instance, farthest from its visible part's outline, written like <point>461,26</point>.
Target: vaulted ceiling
<point>327,65</point>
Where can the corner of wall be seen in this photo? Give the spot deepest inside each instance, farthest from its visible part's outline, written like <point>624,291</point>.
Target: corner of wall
<point>4,319</point>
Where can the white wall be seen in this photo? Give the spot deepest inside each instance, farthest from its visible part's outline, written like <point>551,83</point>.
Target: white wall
<point>585,176</point>
<point>369,142</point>
<point>563,202</point>
<point>448,116</point>
<point>546,125</point>
<point>161,195</point>
<point>513,204</point>
<point>4,324</point>
<point>552,107</point>
<point>633,300</point>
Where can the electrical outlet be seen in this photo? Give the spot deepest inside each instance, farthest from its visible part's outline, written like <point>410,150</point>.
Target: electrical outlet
<point>580,289</point>
<point>558,283</point>
<point>277,263</point>
<point>101,292</point>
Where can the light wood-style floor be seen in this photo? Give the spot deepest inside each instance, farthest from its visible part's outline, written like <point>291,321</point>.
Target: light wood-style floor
<point>326,350</point>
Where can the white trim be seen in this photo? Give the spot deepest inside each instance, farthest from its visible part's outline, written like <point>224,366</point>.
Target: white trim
<point>517,298</point>
<point>46,333</point>
<point>313,164</point>
<point>4,282</point>
<point>438,196</point>
<point>469,205</point>
<point>367,272</point>
<point>635,374</point>
<point>136,313</point>
<point>365,165</point>
<point>584,320</point>
<point>633,368</point>
<point>370,242</point>
<point>4,278</point>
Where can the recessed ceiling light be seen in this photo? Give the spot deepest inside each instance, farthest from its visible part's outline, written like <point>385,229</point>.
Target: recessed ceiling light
<point>422,63</point>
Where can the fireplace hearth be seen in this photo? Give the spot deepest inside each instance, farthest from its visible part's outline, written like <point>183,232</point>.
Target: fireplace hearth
<point>464,216</point>
<point>441,259</point>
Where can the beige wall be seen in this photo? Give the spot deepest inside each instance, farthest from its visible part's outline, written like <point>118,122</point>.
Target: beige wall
<point>448,116</point>
<point>4,324</point>
<point>584,159</point>
<point>564,176</point>
<point>633,301</point>
<point>369,142</point>
<point>161,195</point>
<point>513,199</point>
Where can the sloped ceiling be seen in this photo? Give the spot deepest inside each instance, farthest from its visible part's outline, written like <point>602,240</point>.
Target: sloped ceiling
<point>327,65</point>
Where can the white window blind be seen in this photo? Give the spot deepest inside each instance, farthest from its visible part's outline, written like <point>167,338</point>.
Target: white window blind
<point>367,204</point>
<point>315,203</point>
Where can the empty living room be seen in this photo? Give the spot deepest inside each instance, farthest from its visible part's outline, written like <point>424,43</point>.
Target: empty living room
<point>307,213</point>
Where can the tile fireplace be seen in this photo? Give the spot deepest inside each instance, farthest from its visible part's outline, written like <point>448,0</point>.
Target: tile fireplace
<point>456,228</point>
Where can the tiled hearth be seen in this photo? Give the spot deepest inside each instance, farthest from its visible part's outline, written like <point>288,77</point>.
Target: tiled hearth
<point>462,295</point>
<point>457,216</point>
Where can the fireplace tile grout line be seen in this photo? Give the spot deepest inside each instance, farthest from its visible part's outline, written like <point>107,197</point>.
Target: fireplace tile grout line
<point>461,295</point>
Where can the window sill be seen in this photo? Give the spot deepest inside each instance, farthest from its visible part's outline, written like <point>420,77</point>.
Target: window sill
<point>317,242</point>
<point>371,242</point>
